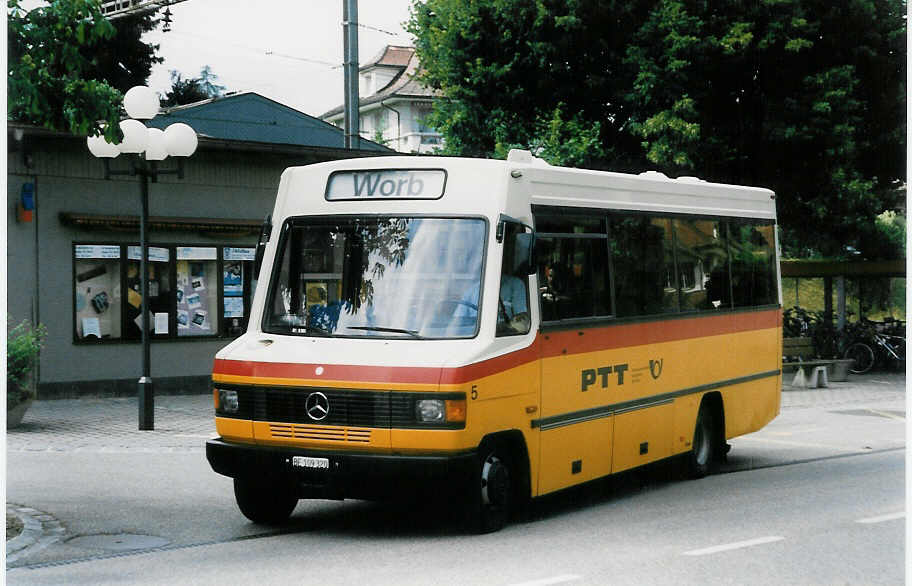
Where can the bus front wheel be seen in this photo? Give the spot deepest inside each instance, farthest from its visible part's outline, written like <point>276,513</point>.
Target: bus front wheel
<point>491,490</point>
<point>703,450</point>
<point>265,504</point>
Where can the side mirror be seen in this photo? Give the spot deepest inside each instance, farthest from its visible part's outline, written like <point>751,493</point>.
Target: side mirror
<point>524,253</point>
<point>265,232</point>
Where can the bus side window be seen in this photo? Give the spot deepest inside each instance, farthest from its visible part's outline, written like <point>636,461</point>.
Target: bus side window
<point>513,304</point>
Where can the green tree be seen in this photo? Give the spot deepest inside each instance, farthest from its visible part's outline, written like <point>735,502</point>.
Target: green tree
<point>805,97</point>
<point>68,65</point>
<point>48,65</point>
<point>510,68</point>
<point>189,90</point>
<point>125,60</point>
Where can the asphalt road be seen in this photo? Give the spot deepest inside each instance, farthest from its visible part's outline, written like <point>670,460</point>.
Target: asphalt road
<point>817,497</point>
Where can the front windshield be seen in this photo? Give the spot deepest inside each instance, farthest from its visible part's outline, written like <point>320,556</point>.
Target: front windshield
<point>377,277</point>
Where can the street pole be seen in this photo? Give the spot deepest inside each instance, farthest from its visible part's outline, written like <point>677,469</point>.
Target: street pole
<point>148,145</point>
<point>350,67</point>
<point>146,392</point>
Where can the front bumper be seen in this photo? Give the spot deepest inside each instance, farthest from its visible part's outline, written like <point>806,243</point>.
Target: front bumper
<point>350,474</point>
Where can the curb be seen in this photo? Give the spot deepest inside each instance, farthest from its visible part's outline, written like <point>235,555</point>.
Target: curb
<point>39,530</point>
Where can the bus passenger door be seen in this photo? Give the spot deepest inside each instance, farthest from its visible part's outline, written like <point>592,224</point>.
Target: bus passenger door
<point>577,428</point>
<point>577,376</point>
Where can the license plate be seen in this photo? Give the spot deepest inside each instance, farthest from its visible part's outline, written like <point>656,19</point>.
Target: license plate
<point>307,462</point>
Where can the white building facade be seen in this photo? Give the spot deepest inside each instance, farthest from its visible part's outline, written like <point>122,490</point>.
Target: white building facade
<point>393,103</point>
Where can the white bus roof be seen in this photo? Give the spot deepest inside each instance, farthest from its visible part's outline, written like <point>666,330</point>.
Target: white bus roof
<point>548,185</point>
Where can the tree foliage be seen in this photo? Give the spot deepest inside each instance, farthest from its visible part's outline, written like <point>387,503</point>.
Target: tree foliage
<point>805,97</point>
<point>189,90</point>
<point>68,65</point>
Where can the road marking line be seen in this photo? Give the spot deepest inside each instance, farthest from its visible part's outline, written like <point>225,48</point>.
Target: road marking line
<point>799,444</point>
<point>887,415</point>
<point>736,545</point>
<point>882,518</point>
<point>552,580</point>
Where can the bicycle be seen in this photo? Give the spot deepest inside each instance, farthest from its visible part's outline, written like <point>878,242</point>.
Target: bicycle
<point>881,346</point>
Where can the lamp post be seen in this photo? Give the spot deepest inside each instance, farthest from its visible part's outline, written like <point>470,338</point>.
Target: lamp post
<point>146,147</point>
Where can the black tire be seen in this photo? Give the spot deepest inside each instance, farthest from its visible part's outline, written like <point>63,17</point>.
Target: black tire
<point>863,357</point>
<point>262,503</point>
<point>491,491</point>
<point>704,449</point>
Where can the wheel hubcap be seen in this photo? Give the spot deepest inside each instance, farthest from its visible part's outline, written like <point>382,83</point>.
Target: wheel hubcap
<point>494,482</point>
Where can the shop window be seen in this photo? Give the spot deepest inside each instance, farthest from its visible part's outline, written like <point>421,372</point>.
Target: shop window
<point>97,292</point>
<point>159,289</point>
<point>237,286</point>
<point>197,291</point>
<point>193,291</point>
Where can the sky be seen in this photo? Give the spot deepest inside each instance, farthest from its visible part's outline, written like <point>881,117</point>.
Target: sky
<point>287,50</point>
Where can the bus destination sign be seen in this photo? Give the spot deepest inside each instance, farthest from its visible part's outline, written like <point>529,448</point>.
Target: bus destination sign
<point>386,184</point>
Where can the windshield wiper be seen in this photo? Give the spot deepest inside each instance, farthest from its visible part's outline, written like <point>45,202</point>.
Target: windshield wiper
<point>412,333</point>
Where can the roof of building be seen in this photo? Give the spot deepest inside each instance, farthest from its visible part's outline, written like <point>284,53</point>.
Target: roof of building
<point>390,56</point>
<point>250,117</point>
<point>403,85</point>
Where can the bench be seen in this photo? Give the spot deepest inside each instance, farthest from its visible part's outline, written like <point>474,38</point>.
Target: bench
<point>798,353</point>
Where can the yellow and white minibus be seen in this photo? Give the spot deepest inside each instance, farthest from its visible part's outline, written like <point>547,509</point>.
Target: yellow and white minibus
<point>491,331</point>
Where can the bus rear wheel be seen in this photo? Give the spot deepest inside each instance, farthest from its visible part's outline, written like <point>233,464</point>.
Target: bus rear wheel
<point>491,491</point>
<point>262,503</point>
<point>704,449</point>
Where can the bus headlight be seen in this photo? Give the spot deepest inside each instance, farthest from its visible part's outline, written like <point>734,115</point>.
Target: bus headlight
<point>443,411</point>
<point>227,402</point>
<point>430,410</point>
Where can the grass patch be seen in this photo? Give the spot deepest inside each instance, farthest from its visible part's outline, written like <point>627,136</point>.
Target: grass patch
<point>886,298</point>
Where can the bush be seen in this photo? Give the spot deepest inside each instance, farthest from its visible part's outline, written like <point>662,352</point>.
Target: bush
<point>23,343</point>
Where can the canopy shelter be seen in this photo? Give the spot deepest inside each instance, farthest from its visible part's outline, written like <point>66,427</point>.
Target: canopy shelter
<point>831,270</point>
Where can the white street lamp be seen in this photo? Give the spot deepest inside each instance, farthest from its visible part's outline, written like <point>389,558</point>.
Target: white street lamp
<point>149,145</point>
<point>156,149</point>
<point>141,103</point>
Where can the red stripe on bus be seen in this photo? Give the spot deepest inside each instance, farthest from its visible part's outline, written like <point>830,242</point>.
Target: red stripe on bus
<point>334,372</point>
<point>580,340</point>
<point>575,341</point>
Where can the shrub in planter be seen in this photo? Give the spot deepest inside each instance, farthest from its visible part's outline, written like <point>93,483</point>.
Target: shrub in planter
<point>23,343</point>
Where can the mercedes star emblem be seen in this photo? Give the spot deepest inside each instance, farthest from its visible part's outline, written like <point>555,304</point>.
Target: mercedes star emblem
<point>317,406</point>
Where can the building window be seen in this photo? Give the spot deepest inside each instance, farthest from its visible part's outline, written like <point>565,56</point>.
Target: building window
<point>97,300</point>
<point>197,290</point>
<point>201,291</point>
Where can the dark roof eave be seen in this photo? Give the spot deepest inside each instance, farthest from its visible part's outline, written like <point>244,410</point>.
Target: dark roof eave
<point>214,144</point>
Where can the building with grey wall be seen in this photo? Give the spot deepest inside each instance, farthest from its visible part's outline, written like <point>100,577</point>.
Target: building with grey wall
<point>72,260</point>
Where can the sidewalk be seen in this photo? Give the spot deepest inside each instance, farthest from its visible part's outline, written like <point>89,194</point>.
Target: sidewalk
<point>182,422</point>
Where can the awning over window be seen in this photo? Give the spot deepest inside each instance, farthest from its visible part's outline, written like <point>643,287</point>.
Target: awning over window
<point>98,222</point>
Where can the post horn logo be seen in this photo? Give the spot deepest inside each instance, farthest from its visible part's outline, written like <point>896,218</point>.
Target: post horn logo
<point>655,367</point>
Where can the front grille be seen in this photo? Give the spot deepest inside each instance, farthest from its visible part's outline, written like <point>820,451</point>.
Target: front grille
<point>321,433</point>
<point>348,408</point>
